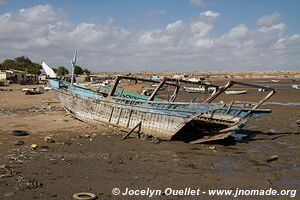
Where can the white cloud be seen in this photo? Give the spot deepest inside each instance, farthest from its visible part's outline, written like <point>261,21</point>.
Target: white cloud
<point>268,20</point>
<point>46,35</point>
<point>198,3</point>
<point>210,14</point>
<point>280,27</point>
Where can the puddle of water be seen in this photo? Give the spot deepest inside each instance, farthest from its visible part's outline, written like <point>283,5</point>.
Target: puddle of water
<point>239,137</point>
<point>283,104</point>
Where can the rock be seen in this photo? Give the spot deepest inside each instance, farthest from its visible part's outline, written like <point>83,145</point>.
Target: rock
<point>272,131</point>
<point>298,122</point>
<point>212,147</point>
<point>212,166</point>
<point>33,184</point>
<point>155,140</point>
<point>19,143</point>
<point>9,194</point>
<point>3,166</point>
<point>49,139</point>
<point>272,158</point>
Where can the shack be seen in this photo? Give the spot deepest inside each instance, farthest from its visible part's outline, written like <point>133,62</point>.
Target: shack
<point>12,76</point>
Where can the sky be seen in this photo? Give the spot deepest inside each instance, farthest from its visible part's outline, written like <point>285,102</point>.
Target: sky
<point>151,35</point>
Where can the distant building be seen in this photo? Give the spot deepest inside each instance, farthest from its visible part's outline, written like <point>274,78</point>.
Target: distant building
<point>82,78</point>
<point>95,78</point>
<point>12,76</point>
<point>16,76</point>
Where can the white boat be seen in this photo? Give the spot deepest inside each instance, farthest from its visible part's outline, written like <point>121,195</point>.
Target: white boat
<point>195,80</point>
<point>237,92</point>
<point>195,89</point>
<point>275,81</point>
<point>297,87</point>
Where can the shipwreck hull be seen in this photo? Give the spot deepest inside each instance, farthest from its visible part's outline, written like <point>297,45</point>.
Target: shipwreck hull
<point>104,111</point>
<point>199,122</point>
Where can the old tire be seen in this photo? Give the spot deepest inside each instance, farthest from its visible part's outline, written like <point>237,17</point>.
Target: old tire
<point>84,196</point>
<point>19,133</point>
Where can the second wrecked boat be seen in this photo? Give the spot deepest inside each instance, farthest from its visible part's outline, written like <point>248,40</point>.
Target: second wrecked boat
<point>168,120</point>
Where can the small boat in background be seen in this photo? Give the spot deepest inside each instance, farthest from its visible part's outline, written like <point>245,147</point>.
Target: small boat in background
<point>275,81</point>
<point>237,92</point>
<point>195,89</point>
<point>297,87</point>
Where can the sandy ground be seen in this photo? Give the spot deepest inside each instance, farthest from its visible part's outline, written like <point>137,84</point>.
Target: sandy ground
<point>95,159</point>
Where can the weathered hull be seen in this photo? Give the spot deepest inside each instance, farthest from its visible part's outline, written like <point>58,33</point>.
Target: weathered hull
<point>105,111</point>
<point>167,120</point>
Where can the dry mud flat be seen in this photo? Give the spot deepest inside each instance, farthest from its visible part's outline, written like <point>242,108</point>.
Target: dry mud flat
<point>96,160</point>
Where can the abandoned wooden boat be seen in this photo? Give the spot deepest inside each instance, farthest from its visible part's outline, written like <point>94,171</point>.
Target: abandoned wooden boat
<point>166,119</point>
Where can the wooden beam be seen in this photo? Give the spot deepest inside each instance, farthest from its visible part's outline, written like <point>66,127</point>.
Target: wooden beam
<point>138,125</point>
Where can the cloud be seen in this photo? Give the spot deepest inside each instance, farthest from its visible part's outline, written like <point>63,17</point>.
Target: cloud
<point>198,3</point>
<point>44,33</point>
<point>156,13</point>
<point>268,20</point>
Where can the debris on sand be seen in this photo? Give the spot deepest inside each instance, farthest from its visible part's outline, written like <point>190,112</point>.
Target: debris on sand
<point>34,146</point>
<point>49,139</point>
<point>272,131</point>
<point>6,175</point>
<point>272,158</point>
<point>150,138</point>
<point>31,110</point>
<point>84,196</point>
<point>5,172</point>
<point>30,184</point>
<point>298,123</point>
<point>19,143</point>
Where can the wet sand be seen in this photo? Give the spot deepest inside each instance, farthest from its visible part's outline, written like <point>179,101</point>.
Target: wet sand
<point>95,159</point>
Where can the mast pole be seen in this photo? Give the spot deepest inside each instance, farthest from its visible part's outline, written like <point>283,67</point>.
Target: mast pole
<point>73,67</point>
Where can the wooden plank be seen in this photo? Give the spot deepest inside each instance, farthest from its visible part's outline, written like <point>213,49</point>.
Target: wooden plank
<point>138,125</point>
